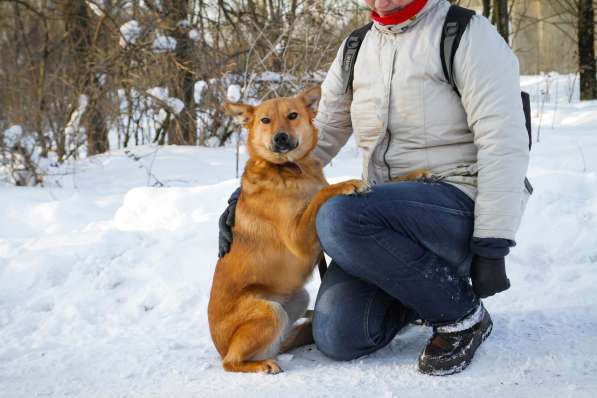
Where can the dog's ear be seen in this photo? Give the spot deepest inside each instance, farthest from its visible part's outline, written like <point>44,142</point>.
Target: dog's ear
<point>242,113</point>
<point>310,98</point>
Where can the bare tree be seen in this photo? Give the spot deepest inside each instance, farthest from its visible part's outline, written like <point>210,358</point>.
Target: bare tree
<point>486,8</point>
<point>82,37</point>
<point>586,50</point>
<point>175,17</point>
<point>501,18</point>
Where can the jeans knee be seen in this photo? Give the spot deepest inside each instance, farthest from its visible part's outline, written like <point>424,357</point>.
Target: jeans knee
<point>336,325</point>
<point>331,339</point>
<point>335,221</point>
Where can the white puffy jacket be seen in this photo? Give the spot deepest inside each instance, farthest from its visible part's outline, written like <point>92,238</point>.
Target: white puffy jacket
<point>406,116</point>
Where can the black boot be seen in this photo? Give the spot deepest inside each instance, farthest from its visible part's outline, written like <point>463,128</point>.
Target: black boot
<point>452,347</point>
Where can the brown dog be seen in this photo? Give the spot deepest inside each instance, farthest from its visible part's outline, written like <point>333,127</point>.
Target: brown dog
<point>257,291</point>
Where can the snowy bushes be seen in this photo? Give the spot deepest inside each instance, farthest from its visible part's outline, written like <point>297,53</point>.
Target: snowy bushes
<point>81,78</point>
<point>19,157</point>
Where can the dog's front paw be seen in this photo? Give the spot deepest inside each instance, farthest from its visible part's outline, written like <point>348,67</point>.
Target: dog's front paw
<point>363,188</point>
<point>355,187</point>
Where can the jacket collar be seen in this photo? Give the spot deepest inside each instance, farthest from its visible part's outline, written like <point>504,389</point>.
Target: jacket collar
<point>400,27</point>
<point>401,15</point>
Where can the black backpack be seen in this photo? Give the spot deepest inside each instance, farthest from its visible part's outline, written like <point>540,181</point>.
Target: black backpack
<point>455,24</point>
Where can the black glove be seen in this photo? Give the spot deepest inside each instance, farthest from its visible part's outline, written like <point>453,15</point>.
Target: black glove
<point>488,276</point>
<point>226,224</point>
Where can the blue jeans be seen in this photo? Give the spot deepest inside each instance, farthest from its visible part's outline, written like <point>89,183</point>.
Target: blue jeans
<point>400,249</point>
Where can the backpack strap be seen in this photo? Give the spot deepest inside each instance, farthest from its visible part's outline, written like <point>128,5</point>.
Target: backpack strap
<point>349,57</point>
<point>455,25</point>
<point>526,107</point>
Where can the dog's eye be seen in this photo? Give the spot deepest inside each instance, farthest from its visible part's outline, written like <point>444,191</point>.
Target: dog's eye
<point>265,120</point>
<point>292,115</point>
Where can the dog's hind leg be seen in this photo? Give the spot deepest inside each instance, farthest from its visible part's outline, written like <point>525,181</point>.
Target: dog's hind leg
<point>257,341</point>
<point>296,305</point>
<point>300,334</point>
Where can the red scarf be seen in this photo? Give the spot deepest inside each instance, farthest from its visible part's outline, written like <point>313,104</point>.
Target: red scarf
<point>401,15</point>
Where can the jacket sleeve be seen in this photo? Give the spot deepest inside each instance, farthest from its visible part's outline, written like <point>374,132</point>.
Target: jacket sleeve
<point>491,247</point>
<point>333,114</point>
<point>487,74</point>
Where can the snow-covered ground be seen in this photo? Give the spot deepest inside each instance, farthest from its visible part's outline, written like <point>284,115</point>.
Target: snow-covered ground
<point>105,275</point>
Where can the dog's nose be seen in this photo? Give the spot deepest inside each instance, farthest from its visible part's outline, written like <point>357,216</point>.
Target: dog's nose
<point>282,142</point>
<point>281,139</point>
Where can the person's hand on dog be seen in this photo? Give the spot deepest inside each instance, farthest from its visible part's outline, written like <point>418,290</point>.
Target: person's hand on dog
<point>488,276</point>
<point>226,223</point>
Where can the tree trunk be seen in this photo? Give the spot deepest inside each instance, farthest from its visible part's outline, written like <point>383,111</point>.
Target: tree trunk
<point>586,50</point>
<point>501,18</point>
<point>175,15</point>
<point>79,29</point>
<point>486,8</point>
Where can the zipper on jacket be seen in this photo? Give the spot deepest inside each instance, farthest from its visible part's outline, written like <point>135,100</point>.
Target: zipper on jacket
<point>385,160</point>
<point>389,80</point>
<point>386,152</point>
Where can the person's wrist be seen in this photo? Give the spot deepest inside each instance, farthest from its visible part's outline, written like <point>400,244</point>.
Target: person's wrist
<point>491,247</point>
